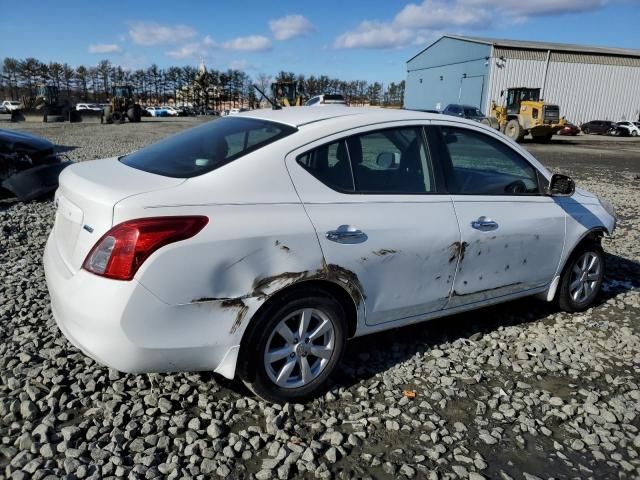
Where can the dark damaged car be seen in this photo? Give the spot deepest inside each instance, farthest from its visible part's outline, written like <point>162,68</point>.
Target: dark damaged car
<point>29,165</point>
<point>257,244</point>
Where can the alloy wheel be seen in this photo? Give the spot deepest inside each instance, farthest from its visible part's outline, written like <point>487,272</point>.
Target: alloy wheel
<point>299,348</point>
<point>585,275</point>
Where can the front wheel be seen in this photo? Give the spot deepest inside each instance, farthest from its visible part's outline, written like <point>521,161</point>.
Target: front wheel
<point>294,348</point>
<point>582,278</point>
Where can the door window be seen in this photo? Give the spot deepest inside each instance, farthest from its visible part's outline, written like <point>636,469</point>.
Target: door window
<point>330,165</point>
<point>391,161</point>
<point>481,165</point>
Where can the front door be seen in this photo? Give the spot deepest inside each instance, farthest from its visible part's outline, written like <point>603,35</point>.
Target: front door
<point>372,199</point>
<point>512,235</point>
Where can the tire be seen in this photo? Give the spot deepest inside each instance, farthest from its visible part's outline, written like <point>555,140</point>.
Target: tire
<point>117,117</point>
<point>260,376</point>
<point>634,133</point>
<point>131,115</point>
<point>514,131</point>
<point>571,295</point>
<point>586,131</point>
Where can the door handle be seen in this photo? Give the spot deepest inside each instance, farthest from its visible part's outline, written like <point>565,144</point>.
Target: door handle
<point>346,236</point>
<point>484,223</point>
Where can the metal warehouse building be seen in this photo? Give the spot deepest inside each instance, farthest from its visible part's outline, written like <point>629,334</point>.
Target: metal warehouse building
<point>587,83</point>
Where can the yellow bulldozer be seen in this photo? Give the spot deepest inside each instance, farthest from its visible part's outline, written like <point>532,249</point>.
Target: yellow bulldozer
<point>523,113</point>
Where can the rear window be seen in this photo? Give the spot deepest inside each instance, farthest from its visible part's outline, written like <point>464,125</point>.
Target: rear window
<point>204,148</point>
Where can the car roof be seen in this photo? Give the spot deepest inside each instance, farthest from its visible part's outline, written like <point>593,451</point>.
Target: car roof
<point>299,116</point>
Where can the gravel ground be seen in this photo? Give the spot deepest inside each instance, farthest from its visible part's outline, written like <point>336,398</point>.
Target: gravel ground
<point>515,391</point>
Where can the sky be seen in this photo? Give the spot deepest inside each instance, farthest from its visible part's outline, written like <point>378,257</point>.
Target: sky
<point>348,39</point>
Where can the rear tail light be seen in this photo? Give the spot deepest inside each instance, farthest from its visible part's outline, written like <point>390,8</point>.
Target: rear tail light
<point>124,248</point>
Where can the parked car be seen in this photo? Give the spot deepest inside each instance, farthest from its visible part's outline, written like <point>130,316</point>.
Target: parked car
<point>88,106</point>
<point>426,110</point>
<point>185,111</point>
<point>157,111</point>
<point>171,112</point>
<point>464,111</point>
<point>235,111</point>
<point>11,105</point>
<point>29,165</point>
<point>569,129</point>
<point>599,127</point>
<point>628,129</point>
<point>326,99</point>
<point>256,245</point>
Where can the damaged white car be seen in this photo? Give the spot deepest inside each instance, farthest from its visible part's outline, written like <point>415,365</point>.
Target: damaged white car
<point>256,245</point>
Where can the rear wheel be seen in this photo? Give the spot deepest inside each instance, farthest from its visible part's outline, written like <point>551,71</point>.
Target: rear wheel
<point>634,133</point>
<point>294,347</point>
<point>582,278</point>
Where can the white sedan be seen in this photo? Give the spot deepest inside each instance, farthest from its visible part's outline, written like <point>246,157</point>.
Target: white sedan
<point>629,128</point>
<point>257,244</point>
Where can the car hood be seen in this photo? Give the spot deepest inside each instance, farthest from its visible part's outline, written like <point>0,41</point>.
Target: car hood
<point>12,141</point>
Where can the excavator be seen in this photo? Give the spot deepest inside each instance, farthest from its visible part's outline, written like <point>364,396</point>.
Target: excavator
<point>523,113</point>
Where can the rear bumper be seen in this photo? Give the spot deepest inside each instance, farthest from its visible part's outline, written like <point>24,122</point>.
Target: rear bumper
<point>124,326</point>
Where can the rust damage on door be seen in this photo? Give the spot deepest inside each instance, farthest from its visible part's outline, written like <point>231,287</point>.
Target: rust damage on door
<point>457,251</point>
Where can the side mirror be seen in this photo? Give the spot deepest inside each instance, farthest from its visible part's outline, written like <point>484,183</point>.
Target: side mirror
<point>561,186</point>
<point>502,93</point>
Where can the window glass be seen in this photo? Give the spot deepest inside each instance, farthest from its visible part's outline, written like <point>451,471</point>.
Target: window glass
<point>391,161</point>
<point>330,165</point>
<point>202,149</point>
<point>482,165</point>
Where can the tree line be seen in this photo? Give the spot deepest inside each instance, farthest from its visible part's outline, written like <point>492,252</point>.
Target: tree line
<point>155,85</point>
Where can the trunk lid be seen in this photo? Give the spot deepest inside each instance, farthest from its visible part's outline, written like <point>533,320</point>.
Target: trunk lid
<point>86,198</point>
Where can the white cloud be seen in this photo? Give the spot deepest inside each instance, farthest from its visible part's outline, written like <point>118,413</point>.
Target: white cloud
<point>242,65</point>
<point>152,33</point>
<point>438,14</point>
<point>104,48</point>
<point>291,26</point>
<point>375,35</point>
<point>418,21</point>
<point>252,43</point>
<point>538,7</point>
<point>195,50</point>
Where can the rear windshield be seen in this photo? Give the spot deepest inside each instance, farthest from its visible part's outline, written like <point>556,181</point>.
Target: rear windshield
<point>204,148</point>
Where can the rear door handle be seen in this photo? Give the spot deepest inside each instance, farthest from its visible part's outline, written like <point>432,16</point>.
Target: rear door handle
<point>346,235</point>
<point>484,223</point>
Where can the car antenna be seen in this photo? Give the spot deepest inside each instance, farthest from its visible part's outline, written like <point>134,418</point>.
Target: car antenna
<point>273,104</point>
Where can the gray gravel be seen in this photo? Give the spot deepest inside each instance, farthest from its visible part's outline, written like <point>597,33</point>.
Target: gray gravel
<point>516,391</point>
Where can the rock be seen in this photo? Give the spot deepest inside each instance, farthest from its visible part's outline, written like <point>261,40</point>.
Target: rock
<point>215,430</point>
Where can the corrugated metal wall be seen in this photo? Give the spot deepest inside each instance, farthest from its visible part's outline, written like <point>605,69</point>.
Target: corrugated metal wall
<point>585,86</point>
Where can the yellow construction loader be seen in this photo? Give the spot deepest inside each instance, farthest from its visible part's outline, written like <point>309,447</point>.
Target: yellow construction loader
<point>524,112</point>
<point>286,94</point>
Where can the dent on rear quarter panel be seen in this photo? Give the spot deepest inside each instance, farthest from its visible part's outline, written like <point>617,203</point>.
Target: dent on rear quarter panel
<point>244,255</point>
<point>264,287</point>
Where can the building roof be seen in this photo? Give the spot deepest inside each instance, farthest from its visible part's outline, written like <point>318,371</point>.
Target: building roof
<point>531,45</point>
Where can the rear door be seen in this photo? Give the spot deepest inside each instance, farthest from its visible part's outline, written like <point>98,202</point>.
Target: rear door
<point>512,235</point>
<point>374,201</point>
